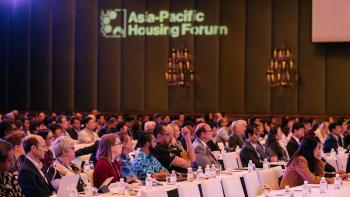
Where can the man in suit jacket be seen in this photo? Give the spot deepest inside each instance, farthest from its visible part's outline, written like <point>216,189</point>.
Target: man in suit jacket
<point>32,177</point>
<point>252,149</point>
<point>237,138</point>
<point>298,130</point>
<point>203,153</point>
<point>333,140</point>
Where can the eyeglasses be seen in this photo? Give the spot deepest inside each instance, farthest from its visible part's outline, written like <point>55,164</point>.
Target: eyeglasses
<point>117,144</point>
<point>167,134</point>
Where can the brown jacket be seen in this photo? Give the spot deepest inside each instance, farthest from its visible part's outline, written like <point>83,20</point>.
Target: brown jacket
<point>298,171</point>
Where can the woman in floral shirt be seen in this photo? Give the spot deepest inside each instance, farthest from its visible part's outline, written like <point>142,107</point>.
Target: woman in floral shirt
<point>8,182</point>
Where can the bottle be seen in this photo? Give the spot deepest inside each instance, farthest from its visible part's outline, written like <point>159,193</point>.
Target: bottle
<point>173,177</point>
<point>265,164</point>
<point>337,182</point>
<point>213,171</point>
<point>189,175</point>
<point>306,189</point>
<point>323,185</point>
<point>73,192</point>
<point>250,166</point>
<point>149,181</point>
<point>287,192</point>
<point>207,171</point>
<point>199,172</point>
<point>121,189</point>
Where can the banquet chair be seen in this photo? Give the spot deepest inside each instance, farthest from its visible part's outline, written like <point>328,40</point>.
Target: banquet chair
<point>252,183</point>
<point>268,178</point>
<point>154,192</point>
<point>230,160</point>
<point>212,187</point>
<point>232,186</point>
<point>188,189</point>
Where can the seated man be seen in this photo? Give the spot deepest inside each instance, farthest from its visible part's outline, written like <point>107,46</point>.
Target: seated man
<point>333,140</point>
<point>144,162</point>
<point>252,149</point>
<point>298,130</point>
<point>237,136</point>
<point>164,153</point>
<point>203,153</point>
<point>32,175</point>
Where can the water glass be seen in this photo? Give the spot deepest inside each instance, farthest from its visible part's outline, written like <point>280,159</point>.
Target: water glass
<point>168,179</point>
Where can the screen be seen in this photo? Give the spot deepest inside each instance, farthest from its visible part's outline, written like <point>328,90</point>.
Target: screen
<point>330,20</point>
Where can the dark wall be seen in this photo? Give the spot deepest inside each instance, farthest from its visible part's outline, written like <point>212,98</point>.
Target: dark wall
<point>53,57</point>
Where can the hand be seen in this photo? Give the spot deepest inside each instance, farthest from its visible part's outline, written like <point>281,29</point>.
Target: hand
<point>341,172</point>
<point>186,133</point>
<point>344,176</point>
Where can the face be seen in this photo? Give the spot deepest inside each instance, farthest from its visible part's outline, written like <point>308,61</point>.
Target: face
<point>181,117</point>
<point>240,127</point>
<point>41,116</point>
<point>224,122</point>
<point>19,148</point>
<point>176,131</point>
<point>299,133</point>
<point>279,134</point>
<point>40,149</point>
<point>8,163</point>
<point>165,137</point>
<point>26,124</point>
<point>128,145</point>
<point>317,152</point>
<point>64,123</point>
<point>49,139</point>
<point>207,136</point>
<point>76,124</point>
<point>57,133</point>
<point>153,143</point>
<point>255,137</point>
<point>337,130</point>
<point>344,127</point>
<point>91,125</point>
<point>70,153</point>
<point>213,132</point>
<point>116,149</point>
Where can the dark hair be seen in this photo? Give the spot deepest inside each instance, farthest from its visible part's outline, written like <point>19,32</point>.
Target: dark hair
<point>158,129</point>
<point>119,126</point>
<point>29,142</point>
<point>15,138</point>
<point>33,124</point>
<point>53,127</point>
<point>124,137</point>
<point>43,133</point>
<point>199,130</point>
<point>273,143</point>
<point>5,126</point>
<point>5,148</point>
<point>306,149</point>
<point>143,139</point>
<point>297,126</point>
<point>249,130</point>
<point>333,126</point>
<point>59,118</point>
<point>86,120</point>
<point>72,119</point>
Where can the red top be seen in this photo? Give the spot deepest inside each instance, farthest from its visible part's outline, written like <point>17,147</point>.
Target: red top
<point>104,170</point>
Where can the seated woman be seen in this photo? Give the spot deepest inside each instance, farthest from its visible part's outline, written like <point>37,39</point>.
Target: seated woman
<point>128,171</point>
<point>272,147</point>
<point>63,148</point>
<point>47,135</point>
<point>108,155</point>
<point>144,162</point>
<point>9,184</point>
<point>16,139</point>
<point>306,165</point>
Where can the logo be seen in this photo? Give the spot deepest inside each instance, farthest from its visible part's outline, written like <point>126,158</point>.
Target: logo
<point>113,23</point>
<point>118,23</point>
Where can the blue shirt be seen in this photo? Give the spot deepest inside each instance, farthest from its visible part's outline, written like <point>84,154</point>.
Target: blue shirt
<point>146,164</point>
<point>126,166</point>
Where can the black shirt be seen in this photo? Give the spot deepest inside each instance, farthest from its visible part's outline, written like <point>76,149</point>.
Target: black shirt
<point>166,156</point>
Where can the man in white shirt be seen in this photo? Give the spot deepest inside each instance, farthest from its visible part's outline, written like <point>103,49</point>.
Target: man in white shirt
<point>88,134</point>
<point>32,174</point>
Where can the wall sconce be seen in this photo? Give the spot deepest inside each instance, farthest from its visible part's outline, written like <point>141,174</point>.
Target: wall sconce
<point>281,71</point>
<point>180,69</point>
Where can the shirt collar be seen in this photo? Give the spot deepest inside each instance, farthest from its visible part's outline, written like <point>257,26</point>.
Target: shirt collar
<point>204,144</point>
<point>296,139</point>
<point>38,165</point>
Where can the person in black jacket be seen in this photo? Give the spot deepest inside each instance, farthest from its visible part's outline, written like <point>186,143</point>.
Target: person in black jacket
<point>298,130</point>
<point>32,177</point>
<point>333,140</point>
<point>252,149</point>
<point>92,149</point>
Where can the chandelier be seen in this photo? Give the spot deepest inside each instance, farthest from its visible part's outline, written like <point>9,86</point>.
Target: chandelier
<point>281,71</point>
<point>180,70</point>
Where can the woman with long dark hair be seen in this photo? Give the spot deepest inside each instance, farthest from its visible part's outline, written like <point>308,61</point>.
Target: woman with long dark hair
<point>306,165</point>
<point>273,149</point>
